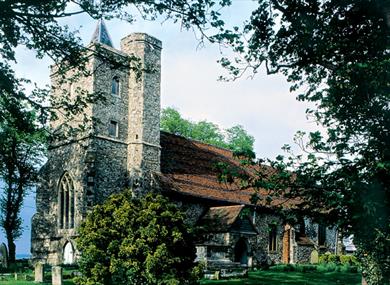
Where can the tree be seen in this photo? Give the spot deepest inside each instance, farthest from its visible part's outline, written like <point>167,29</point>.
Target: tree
<point>235,138</point>
<point>21,152</point>
<point>136,241</point>
<point>336,53</point>
<point>238,139</point>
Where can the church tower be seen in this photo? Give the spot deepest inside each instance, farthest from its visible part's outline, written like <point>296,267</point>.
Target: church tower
<point>120,147</point>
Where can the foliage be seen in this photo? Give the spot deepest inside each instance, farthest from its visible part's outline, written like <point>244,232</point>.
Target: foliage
<point>135,241</point>
<point>339,259</point>
<point>21,151</point>
<point>235,138</point>
<point>336,55</point>
<point>325,267</point>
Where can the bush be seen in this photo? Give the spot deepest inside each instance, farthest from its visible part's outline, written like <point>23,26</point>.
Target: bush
<point>323,267</point>
<point>338,259</point>
<point>135,241</point>
<point>327,267</point>
<point>349,259</point>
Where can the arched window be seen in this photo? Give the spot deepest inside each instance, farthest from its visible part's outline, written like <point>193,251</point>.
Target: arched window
<point>66,202</point>
<point>115,86</point>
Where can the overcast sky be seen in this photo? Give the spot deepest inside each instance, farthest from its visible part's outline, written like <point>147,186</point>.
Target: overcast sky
<point>262,105</point>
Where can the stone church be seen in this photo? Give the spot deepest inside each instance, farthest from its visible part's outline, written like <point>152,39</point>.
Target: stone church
<point>126,149</point>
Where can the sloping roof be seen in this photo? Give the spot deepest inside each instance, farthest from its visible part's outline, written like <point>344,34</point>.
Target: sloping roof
<point>221,218</point>
<point>188,167</point>
<point>227,219</point>
<point>101,34</point>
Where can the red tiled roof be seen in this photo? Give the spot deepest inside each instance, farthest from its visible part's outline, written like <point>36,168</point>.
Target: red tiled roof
<point>227,218</point>
<point>223,217</point>
<point>189,167</point>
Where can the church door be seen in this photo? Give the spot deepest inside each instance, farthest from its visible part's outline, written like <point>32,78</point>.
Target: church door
<point>241,252</point>
<point>68,253</point>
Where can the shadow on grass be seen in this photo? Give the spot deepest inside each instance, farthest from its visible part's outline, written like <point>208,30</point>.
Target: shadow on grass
<point>292,278</point>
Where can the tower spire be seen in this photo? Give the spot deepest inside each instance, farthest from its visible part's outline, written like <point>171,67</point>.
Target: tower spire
<point>101,34</point>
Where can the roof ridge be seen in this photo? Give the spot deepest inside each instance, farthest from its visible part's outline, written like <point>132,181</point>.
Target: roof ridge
<point>229,206</point>
<point>198,141</point>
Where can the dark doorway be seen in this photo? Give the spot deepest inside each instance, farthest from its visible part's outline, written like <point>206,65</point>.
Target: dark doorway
<point>241,252</point>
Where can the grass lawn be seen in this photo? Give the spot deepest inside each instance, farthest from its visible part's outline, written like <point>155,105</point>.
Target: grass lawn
<point>266,277</point>
<point>13,282</point>
<point>270,277</point>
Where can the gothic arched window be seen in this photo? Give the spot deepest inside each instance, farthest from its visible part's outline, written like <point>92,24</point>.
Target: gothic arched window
<point>66,202</point>
<point>115,86</point>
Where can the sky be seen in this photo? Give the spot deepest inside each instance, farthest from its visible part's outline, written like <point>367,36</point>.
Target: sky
<point>262,105</point>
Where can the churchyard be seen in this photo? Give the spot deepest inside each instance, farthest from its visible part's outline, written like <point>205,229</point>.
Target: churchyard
<point>279,274</point>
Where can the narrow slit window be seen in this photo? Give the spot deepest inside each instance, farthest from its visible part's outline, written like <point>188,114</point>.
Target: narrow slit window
<point>113,129</point>
<point>272,238</point>
<point>321,235</point>
<point>115,86</point>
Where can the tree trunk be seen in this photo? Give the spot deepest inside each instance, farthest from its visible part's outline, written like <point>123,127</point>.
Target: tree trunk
<point>11,249</point>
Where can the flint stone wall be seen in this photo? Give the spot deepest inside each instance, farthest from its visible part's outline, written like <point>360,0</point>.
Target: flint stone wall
<point>98,163</point>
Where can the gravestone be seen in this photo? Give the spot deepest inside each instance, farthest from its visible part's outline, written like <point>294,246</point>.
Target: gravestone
<point>314,257</point>
<point>39,272</point>
<point>3,256</point>
<point>56,275</point>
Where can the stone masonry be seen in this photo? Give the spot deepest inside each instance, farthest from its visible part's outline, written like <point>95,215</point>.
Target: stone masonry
<point>119,148</point>
<point>98,163</point>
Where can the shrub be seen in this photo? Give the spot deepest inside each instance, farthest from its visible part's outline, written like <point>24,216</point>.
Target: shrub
<point>323,267</point>
<point>135,241</point>
<point>349,259</point>
<point>338,259</point>
<point>327,267</point>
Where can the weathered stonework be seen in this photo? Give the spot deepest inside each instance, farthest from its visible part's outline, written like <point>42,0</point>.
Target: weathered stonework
<point>98,163</point>
<point>120,148</point>
<point>262,253</point>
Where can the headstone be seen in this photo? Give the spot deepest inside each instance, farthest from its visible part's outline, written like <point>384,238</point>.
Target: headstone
<point>56,275</point>
<point>314,257</point>
<point>3,256</point>
<point>39,272</point>
<point>216,275</point>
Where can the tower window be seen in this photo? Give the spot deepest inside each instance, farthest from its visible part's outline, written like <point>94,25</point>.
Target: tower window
<point>272,238</point>
<point>113,129</point>
<point>66,203</point>
<point>115,86</point>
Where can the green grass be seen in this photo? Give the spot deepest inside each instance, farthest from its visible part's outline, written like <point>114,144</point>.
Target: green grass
<point>29,275</point>
<point>276,276</point>
<point>14,282</point>
<point>271,277</point>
